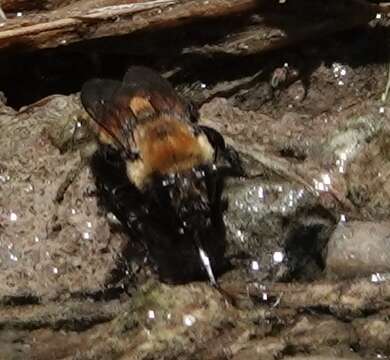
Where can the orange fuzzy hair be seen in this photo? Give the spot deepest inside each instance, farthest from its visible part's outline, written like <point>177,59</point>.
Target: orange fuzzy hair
<point>167,145</point>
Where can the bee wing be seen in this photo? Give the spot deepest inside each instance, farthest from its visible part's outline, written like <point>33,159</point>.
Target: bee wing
<point>107,102</point>
<point>160,93</point>
<point>117,108</point>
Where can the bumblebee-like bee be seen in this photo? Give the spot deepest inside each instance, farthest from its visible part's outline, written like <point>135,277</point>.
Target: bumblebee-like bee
<point>172,168</point>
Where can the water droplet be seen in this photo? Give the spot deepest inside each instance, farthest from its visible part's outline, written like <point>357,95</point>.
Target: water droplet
<point>13,216</point>
<point>326,179</point>
<point>189,320</point>
<point>336,69</point>
<point>4,178</point>
<point>319,185</point>
<point>255,266</point>
<point>339,71</point>
<point>240,235</point>
<point>151,314</point>
<point>239,204</point>
<point>343,156</point>
<point>278,256</point>
<point>13,257</point>
<point>29,188</point>
<point>376,278</point>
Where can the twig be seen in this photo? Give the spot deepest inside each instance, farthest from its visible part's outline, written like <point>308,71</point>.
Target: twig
<point>81,25</point>
<point>125,9</point>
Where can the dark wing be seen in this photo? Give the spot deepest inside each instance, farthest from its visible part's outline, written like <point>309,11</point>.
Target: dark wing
<point>117,108</point>
<point>105,102</point>
<point>96,94</point>
<point>158,90</point>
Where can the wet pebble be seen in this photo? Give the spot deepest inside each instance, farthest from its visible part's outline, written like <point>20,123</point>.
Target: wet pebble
<point>359,248</point>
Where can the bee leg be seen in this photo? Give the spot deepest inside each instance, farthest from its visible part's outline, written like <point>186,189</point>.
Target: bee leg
<point>69,179</point>
<point>215,138</point>
<point>213,281</point>
<point>229,156</point>
<point>229,298</point>
<point>192,112</point>
<point>232,158</point>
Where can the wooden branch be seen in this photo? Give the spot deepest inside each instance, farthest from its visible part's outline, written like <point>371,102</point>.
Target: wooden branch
<point>84,20</point>
<point>57,28</point>
<point>263,37</point>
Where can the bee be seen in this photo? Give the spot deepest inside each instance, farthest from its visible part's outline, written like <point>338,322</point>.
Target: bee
<point>172,167</point>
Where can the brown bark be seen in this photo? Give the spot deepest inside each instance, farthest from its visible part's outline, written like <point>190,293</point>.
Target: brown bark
<point>69,25</point>
<point>87,20</point>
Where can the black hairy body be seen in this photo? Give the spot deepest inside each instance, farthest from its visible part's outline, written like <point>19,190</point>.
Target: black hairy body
<point>160,172</point>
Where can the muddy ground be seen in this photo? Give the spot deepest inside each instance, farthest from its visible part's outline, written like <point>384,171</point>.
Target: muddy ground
<point>307,230</point>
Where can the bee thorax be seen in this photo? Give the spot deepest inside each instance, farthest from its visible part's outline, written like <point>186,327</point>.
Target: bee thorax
<point>167,146</point>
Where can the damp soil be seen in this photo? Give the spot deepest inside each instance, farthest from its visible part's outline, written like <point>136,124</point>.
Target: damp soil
<point>311,125</point>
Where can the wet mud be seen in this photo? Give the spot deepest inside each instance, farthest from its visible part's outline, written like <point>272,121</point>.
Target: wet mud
<point>306,230</point>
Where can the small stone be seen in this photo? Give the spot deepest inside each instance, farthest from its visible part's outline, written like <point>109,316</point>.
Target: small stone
<point>359,248</point>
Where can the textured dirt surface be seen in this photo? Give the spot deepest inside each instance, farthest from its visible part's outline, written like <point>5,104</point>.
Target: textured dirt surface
<point>312,131</point>
<point>49,247</point>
